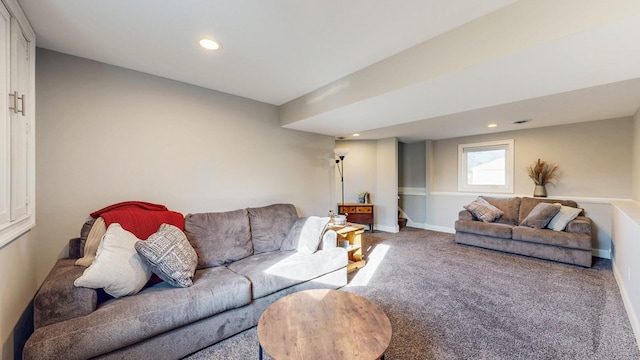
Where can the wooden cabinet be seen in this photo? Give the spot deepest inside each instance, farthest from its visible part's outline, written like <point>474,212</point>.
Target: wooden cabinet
<point>17,152</point>
<point>358,213</point>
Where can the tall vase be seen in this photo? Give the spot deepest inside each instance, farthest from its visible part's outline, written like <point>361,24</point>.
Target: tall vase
<point>540,191</point>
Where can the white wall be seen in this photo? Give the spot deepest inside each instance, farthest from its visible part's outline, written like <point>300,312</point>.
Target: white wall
<point>372,165</point>
<point>626,239</point>
<point>17,286</point>
<point>626,257</point>
<point>106,134</point>
<point>387,185</point>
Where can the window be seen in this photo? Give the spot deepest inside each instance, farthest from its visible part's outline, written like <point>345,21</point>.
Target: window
<point>486,167</point>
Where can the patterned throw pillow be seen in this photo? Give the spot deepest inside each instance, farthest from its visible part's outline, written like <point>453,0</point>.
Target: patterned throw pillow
<point>540,216</point>
<point>481,209</point>
<point>169,255</point>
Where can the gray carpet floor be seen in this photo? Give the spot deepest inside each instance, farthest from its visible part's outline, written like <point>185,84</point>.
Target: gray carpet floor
<point>450,301</point>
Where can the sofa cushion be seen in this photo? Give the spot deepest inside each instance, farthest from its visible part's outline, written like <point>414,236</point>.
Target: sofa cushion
<point>270,225</point>
<point>305,234</point>
<point>169,255</point>
<point>482,228</point>
<point>219,238</point>
<point>508,206</point>
<point>117,268</point>
<point>550,237</point>
<point>527,204</point>
<point>484,211</point>
<point>274,271</point>
<point>540,216</point>
<point>562,218</point>
<point>155,310</point>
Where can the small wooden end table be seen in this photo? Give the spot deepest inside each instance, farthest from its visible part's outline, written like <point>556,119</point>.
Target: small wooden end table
<point>324,324</point>
<point>352,233</point>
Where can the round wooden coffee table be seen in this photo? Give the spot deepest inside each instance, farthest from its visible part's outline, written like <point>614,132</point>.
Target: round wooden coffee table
<point>324,324</point>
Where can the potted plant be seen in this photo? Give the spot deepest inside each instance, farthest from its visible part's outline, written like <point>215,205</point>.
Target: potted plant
<point>542,173</point>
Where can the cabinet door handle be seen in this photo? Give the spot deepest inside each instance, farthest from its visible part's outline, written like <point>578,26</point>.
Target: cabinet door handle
<point>22,99</point>
<point>14,95</point>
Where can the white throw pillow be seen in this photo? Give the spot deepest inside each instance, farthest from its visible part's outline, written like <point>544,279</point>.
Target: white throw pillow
<point>562,218</point>
<point>305,234</point>
<point>117,268</point>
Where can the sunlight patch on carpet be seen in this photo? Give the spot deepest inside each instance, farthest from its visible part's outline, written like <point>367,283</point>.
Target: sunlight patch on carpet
<point>374,260</point>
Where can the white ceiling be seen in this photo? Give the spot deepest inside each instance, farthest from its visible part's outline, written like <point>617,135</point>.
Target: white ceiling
<point>275,51</point>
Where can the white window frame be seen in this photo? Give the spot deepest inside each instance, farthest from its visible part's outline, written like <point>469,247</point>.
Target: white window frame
<point>464,186</point>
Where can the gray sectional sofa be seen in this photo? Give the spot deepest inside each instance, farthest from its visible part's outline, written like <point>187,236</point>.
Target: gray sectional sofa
<point>165,322</point>
<point>571,245</point>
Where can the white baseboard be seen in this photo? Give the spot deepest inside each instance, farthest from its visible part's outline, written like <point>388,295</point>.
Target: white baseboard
<point>385,228</point>
<point>415,225</point>
<point>601,253</point>
<point>443,229</point>
<point>628,305</point>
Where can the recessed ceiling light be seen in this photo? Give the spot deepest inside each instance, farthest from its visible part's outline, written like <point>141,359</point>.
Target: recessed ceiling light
<point>492,125</point>
<point>210,44</point>
<point>356,135</point>
<point>518,122</point>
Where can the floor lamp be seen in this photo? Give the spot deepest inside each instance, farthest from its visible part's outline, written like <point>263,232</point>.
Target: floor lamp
<point>341,153</point>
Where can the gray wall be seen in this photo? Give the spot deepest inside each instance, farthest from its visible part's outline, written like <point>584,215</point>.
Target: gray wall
<point>107,134</point>
<point>411,164</point>
<point>412,182</point>
<point>594,159</point>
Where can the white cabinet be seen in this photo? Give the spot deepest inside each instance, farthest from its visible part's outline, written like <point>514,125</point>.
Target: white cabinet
<point>17,110</point>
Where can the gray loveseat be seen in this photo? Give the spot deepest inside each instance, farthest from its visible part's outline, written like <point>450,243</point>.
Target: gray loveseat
<point>165,322</point>
<point>571,245</point>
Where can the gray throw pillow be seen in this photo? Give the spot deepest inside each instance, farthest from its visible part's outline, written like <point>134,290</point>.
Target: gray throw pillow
<point>481,209</point>
<point>541,215</point>
<point>169,255</point>
<point>219,238</point>
<point>305,234</point>
<point>270,226</point>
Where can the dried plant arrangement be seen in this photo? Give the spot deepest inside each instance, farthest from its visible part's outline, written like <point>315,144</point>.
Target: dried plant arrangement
<point>542,172</point>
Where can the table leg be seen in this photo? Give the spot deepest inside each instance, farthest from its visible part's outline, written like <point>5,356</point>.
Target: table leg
<point>259,351</point>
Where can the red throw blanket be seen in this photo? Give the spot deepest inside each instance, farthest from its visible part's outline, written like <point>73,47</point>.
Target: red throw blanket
<point>140,218</point>
<point>129,205</point>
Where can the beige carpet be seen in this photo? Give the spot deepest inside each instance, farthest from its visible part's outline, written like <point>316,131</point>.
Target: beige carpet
<point>450,301</point>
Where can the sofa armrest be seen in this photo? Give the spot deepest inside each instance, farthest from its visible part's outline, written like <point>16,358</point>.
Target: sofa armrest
<point>329,240</point>
<point>58,299</point>
<point>579,225</point>
<point>465,215</point>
